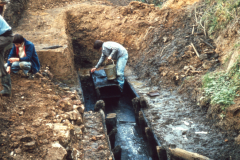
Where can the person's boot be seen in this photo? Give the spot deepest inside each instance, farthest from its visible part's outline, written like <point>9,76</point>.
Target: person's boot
<point>7,86</point>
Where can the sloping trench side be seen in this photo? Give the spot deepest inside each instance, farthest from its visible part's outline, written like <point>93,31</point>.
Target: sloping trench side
<point>125,25</point>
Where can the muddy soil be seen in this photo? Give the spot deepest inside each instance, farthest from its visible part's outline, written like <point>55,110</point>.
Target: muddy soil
<point>178,123</point>
<point>44,120</point>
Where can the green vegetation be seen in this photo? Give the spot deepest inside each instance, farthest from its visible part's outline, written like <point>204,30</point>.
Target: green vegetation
<point>222,87</point>
<point>219,14</point>
<point>237,45</point>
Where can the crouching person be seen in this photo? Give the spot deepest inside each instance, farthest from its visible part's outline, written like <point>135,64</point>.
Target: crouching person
<point>23,57</point>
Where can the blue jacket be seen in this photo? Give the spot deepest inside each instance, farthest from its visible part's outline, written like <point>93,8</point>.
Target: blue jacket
<point>31,56</point>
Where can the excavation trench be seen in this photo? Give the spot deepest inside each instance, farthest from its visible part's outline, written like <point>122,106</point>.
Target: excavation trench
<point>130,137</point>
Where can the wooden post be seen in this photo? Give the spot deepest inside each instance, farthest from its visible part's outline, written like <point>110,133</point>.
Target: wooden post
<point>112,136</point>
<point>111,121</point>
<point>162,153</point>
<point>136,105</point>
<point>117,151</point>
<point>141,121</point>
<point>143,103</point>
<point>99,105</point>
<point>151,142</point>
<point>183,154</point>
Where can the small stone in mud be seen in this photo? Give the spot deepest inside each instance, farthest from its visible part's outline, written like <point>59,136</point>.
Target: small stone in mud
<point>29,145</point>
<point>184,132</point>
<point>36,124</point>
<point>73,96</point>
<point>81,109</point>
<point>77,102</point>
<point>100,147</point>
<point>94,138</point>
<point>15,144</point>
<point>28,138</point>
<point>17,151</point>
<point>56,151</point>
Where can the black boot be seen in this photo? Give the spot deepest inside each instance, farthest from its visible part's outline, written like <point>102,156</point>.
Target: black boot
<point>7,86</point>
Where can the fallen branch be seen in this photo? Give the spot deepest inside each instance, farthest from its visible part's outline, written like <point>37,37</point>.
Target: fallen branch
<point>147,31</point>
<point>187,71</point>
<point>207,43</point>
<point>196,71</point>
<point>180,153</point>
<point>163,49</point>
<point>200,22</point>
<point>193,29</point>
<point>195,50</point>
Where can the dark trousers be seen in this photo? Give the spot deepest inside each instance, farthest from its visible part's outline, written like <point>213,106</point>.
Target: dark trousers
<point>4,42</point>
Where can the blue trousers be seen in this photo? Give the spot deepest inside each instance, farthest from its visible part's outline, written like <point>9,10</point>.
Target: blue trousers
<point>121,64</point>
<point>16,66</point>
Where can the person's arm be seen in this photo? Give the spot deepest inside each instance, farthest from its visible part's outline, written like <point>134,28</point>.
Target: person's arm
<point>11,54</point>
<point>29,49</point>
<point>114,51</point>
<point>100,60</point>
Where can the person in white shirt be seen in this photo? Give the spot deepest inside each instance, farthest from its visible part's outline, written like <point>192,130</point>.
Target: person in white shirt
<point>115,51</point>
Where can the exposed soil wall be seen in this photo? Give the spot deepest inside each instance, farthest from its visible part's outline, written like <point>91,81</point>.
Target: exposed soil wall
<point>14,11</point>
<point>126,25</point>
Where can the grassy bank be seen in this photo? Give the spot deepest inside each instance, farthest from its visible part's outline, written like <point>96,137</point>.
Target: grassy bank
<point>222,87</point>
<point>220,13</point>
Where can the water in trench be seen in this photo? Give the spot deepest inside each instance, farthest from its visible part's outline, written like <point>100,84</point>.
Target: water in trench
<point>133,143</point>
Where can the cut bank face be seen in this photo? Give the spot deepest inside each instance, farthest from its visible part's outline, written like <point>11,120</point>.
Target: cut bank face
<point>2,6</point>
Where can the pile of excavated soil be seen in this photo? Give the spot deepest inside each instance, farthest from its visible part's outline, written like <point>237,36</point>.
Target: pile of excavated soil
<point>44,120</point>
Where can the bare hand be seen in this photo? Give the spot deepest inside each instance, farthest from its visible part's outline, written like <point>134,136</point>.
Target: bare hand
<point>8,69</point>
<point>11,60</point>
<point>109,58</point>
<point>93,70</point>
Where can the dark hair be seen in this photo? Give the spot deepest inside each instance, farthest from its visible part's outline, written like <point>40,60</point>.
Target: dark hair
<point>17,38</point>
<point>97,44</point>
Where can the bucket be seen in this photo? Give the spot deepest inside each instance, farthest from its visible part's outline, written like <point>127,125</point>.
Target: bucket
<point>110,71</point>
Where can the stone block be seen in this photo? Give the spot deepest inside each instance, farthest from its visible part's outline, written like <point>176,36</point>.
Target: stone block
<point>62,133</point>
<point>56,152</point>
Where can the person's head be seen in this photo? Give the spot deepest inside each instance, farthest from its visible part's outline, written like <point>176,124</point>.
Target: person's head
<point>98,44</point>
<point>18,40</point>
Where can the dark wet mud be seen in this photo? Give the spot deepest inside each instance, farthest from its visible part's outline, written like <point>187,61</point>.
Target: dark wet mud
<point>178,123</point>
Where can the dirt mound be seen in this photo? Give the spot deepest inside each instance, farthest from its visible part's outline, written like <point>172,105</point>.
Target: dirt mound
<point>44,120</point>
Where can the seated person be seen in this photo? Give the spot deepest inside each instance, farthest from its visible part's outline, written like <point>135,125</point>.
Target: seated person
<point>22,56</point>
